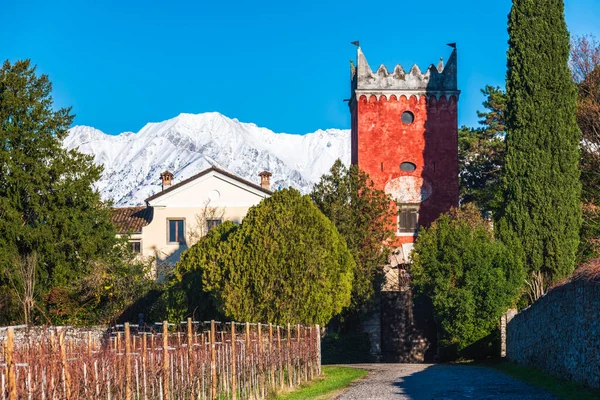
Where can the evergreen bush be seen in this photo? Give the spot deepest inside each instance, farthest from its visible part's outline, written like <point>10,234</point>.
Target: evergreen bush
<point>285,263</point>
<point>470,277</point>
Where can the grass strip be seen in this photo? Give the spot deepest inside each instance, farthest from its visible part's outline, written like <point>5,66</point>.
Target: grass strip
<point>563,389</point>
<point>334,379</point>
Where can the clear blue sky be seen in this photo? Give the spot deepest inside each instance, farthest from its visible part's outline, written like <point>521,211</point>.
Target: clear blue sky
<point>279,64</point>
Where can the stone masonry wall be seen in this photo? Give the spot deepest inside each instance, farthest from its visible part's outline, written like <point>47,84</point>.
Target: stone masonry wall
<point>407,329</point>
<point>560,333</point>
<point>22,335</point>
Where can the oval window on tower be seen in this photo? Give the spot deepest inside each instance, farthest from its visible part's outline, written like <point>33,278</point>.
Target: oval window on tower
<point>407,118</point>
<point>407,166</point>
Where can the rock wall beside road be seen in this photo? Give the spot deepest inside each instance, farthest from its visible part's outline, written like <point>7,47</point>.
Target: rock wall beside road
<point>560,332</point>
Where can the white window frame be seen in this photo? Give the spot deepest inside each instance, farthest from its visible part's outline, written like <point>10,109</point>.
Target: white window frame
<point>132,242</point>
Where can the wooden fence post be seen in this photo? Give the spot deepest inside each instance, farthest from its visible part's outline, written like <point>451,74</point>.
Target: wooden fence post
<point>144,355</point>
<point>63,356</point>
<point>10,364</point>
<point>261,374</point>
<point>127,362</point>
<point>307,352</point>
<point>318,329</point>
<point>190,356</point>
<point>248,370</point>
<point>233,366</point>
<point>299,354</point>
<point>165,360</point>
<point>272,365</point>
<point>189,336</point>
<point>312,350</point>
<point>89,343</point>
<point>213,364</point>
<point>279,357</point>
<point>289,354</point>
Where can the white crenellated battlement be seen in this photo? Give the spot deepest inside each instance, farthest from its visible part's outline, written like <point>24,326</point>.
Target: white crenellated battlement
<point>436,80</point>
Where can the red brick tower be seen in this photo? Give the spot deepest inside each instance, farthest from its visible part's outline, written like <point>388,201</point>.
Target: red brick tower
<point>405,136</point>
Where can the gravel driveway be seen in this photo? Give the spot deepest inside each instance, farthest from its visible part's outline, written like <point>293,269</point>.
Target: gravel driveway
<point>438,382</point>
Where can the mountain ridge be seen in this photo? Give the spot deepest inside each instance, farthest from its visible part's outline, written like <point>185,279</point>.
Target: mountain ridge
<point>190,143</point>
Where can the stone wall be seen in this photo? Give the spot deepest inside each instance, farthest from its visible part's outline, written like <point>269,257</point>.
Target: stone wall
<point>504,320</point>
<point>407,329</point>
<point>34,333</point>
<point>560,333</point>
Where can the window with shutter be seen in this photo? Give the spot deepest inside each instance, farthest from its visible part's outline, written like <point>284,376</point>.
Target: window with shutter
<point>408,218</point>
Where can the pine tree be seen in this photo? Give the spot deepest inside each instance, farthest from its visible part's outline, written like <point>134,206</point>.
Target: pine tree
<point>361,213</point>
<point>541,178</point>
<point>481,154</point>
<point>54,230</point>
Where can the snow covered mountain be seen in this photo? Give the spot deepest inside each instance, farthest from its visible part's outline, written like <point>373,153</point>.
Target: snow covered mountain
<point>189,143</point>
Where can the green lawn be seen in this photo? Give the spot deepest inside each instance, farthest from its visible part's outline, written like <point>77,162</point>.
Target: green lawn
<point>334,379</point>
<point>566,390</point>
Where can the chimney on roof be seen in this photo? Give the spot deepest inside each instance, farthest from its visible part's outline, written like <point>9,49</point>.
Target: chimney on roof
<point>265,180</point>
<point>166,179</point>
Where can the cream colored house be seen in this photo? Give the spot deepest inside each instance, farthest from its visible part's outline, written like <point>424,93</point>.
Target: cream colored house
<point>181,213</point>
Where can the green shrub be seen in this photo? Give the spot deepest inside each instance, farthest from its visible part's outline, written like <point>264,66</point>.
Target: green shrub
<point>286,263</point>
<point>470,277</point>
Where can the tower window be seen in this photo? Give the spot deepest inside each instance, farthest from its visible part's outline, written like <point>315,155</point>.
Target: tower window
<point>407,118</point>
<point>407,166</point>
<point>408,218</point>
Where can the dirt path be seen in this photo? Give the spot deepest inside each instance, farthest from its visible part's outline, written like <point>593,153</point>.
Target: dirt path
<point>438,382</point>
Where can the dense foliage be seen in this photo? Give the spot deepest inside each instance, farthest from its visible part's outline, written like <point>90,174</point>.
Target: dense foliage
<point>482,149</point>
<point>55,233</point>
<point>285,263</point>
<point>541,177</point>
<point>588,118</point>
<point>481,154</point>
<point>470,277</point>
<point>585,64</point>
<point>361,213</point>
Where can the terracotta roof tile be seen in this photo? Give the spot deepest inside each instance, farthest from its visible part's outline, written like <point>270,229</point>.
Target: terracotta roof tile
<point>131,219</point>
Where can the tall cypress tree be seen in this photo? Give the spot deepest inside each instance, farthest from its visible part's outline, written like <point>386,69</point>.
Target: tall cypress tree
<point>541,181</point>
